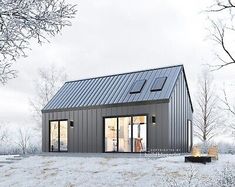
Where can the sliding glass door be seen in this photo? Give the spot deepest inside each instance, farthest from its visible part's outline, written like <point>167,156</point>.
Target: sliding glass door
<point>54,136</point>
<point>139,133</point>
<point>125,134</point>
<point>63,136</point>
<point>111,134</point>
<point>58,136</point>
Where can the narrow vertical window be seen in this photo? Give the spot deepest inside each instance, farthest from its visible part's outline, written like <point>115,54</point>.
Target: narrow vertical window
<point>124,134</point>
<point>111,134</point>
<point>139,133</point>
<point>54,136</point>
<point>189,126</point>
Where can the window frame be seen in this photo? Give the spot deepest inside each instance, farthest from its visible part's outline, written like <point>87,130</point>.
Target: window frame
<point>58,135</point>
<point>155,83</point>
<point>120,116</point>
<point>134,84</point>
<point>189,139</point>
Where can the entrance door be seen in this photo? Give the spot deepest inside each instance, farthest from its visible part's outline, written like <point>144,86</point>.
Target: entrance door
<point>58,136</point>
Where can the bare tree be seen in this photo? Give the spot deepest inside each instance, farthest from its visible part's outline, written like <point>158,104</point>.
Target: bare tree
<point>222,5</point>
<point>23,20</point>
<point>24,137</point>
<point>221,26</point>
<point>6,72</point>
<point>47,84</point>
<point>230,109</point>
<point>5,139</point>
<point>207,118</point>
<point>3,133</point>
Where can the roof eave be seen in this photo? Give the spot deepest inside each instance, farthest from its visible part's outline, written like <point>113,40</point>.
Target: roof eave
<point>166,100</point>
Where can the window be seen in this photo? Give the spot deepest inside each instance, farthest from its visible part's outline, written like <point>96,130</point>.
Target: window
<point>125,134</point>
<point>54,136</point>
<point>158,84</point>
<point>139,133</point>
<point>111,134</point>
<point>59,136</point>
<point>137,86</point>
<point>189,126</point>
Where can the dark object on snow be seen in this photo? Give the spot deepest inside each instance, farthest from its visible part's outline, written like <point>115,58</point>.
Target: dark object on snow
<point>198,159</point>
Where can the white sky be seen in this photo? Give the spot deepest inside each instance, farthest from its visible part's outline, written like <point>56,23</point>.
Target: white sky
<point>114,36</point>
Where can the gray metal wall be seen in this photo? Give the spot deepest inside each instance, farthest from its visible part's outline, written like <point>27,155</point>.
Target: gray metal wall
<point>180,111</point>
<point>87,134</point>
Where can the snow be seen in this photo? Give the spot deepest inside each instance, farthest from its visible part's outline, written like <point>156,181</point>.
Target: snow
<point>4,157</point>
<point>106,171</point>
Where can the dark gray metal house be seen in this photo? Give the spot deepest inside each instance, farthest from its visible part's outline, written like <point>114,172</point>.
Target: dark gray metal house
<point>130,112</point>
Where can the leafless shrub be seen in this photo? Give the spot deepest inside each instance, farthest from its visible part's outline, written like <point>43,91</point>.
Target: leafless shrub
<point>190,179</point>
<point>226,177</point>
<point>24,138</point>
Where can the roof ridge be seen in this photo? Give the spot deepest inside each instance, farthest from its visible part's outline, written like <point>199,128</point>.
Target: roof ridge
<point>125,73</point>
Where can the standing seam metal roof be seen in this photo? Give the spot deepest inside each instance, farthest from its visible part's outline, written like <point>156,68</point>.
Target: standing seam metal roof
<point>113,89</point>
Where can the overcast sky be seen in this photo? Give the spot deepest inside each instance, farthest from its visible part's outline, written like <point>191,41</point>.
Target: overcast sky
<point>115,36</point>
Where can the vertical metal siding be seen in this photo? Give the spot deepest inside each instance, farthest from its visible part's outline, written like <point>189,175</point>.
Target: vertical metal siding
<point>87,133</point>
<point>180,112</point>
<point>76,130</point>
<point>84,130</point>
<point>80,131</point>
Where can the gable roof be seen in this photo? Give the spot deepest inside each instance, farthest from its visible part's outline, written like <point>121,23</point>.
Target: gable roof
<point>114,89</point>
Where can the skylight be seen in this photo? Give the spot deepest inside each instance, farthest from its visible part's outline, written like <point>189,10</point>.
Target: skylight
<point>158,84</point>
<point>137,86</point>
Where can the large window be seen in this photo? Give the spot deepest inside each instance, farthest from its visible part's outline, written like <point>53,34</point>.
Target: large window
<point>125,134</point>
<point>58,136</point>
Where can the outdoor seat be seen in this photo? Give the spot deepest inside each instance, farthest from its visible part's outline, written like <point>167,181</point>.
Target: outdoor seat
<point>213,152</point>
<point>196,151</point>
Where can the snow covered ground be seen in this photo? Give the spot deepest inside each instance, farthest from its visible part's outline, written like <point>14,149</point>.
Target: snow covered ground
<point>105,171</point>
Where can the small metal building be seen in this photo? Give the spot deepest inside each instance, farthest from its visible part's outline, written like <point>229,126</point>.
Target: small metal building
<point>149,110</point>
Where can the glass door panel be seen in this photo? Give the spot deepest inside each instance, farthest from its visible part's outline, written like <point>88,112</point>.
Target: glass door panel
<point>139,133</point>
<point>63,136</point>
<point>111,134</point>
<point>58,136</point>
<point>54,137</point>
<point>124,134</point>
